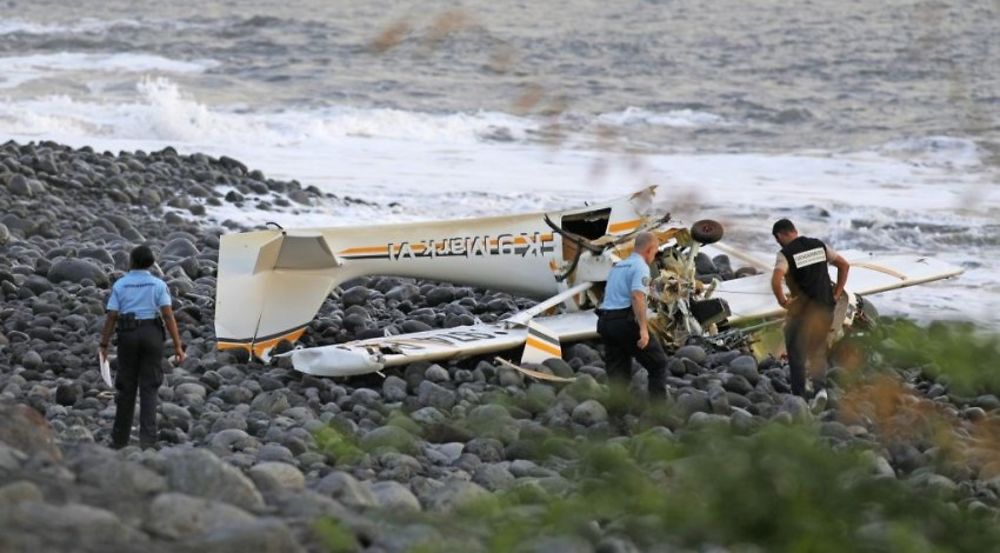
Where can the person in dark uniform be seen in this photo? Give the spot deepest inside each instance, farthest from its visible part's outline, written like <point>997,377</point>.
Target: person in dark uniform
<point>137,302</point>
<point>802,263</point>
<point>621,320</point>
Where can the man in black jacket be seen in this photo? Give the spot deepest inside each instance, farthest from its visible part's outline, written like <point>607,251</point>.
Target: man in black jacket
<point>802,264</point>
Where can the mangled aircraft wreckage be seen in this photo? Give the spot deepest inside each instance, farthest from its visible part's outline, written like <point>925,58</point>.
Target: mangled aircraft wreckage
<point>271,283</point>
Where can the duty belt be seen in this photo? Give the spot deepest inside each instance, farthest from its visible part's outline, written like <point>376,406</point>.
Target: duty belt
<point>127,321</point>
<point>622,313</point>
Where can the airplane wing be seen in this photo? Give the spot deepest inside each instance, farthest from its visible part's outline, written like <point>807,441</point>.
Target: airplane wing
<point>372,355</point>
<point>750,298</point>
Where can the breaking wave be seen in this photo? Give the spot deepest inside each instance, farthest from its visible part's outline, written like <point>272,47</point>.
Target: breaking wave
<point>165,112</point>
<point>16,70</point>
<point>681,118</point>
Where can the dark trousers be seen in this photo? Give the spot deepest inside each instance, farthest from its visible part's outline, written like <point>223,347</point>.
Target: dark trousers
<point>140,353</point>
<point>620,334</point>
<point>805,342</point>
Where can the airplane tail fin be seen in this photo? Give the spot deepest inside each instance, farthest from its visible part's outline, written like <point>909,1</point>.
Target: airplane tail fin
<point>270,285</point>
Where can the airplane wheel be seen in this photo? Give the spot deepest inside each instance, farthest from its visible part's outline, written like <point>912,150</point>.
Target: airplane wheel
<point>706,231</point>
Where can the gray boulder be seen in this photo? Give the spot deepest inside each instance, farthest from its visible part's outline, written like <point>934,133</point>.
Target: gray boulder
<point>454,494</point>
<point>433,395</point>
<point>275,477</point>
<point>180,516</point>
<point>745,366</point>
<point>21,491</point>
<point>23,428</point>
<point>199,473</point>
<point>589,412</point>
<point>394,389</point>
<point>346,489</point>
<point>36,526</point>
<point>266,535</point>
<point>394,496</point>
<point>694,353</point>
<point>272,403</point>
<point>77,270</point>
<point>389,437</point>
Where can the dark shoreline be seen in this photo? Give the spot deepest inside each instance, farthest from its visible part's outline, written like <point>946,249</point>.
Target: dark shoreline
<point>245,457</point>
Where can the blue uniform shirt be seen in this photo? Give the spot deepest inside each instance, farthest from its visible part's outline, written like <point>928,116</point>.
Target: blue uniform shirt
<point>627,276</point>
<point>139,292</point>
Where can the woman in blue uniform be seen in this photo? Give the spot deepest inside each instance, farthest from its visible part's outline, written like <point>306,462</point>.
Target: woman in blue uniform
<point>138,308</point>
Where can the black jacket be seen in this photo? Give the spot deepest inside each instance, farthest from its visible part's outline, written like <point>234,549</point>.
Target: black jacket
<point>808,275</point>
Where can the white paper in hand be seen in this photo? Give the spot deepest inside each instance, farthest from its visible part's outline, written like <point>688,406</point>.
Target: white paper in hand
<point>105,369</point>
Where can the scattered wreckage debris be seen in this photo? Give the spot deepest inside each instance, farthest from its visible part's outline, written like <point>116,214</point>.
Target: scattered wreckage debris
<point>272,282</point>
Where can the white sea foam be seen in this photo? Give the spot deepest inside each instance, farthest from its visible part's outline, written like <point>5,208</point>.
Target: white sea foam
<point>940,149</point>
<point>16,70</point>
<point>681,118</point>
<point>165,112</point>
<point>86,26</point>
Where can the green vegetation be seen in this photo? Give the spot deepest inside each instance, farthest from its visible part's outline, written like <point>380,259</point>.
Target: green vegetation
<point>781,489</point>
<point>968,358</point>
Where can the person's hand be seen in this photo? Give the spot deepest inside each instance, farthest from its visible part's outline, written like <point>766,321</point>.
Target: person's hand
<point>178,354</point>
<point>783,301</point>
<point>103,350</point>
<point>643,338</point>
<point>837,294</point>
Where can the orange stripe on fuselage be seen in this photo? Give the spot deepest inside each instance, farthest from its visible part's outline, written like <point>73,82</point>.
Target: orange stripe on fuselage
<point>625,226</point>
<point>544,346</point>
<point>370,249</point>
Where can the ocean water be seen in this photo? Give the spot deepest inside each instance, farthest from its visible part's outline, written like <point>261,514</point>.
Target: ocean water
<point>873,125</point>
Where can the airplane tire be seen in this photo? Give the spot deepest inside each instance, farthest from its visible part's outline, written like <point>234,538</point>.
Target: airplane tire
<point>706,231</point>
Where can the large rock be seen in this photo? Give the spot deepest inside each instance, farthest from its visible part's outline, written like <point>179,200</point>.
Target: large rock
<point>389,438</point>
<point>493,476</point>
<point>745,366</point>
<point>394,496</point>
<point>119,479</point>
<point>272,403</point>
<point>180,516</point>
<point>259,535</point>
<point>23,428</point>
<point>77,270</point>
<point>394,389</point>
<point>454,494</point>
<point>433,395</point>
<point>198,472</point>
<point>694,353</point>
<point>179,247</point>
<point>21,491</point>
<point>492,421</point>
<point>590,412</point>
<point>36,526</point>
<point>356,295</point>
<point>272,477</point>
<point>346,489</point>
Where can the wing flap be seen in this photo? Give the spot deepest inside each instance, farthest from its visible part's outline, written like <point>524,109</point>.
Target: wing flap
<point>374,354</point>
<point>750,298</point>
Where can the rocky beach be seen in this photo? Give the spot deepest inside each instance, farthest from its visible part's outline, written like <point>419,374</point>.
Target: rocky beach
<point>256,457</point>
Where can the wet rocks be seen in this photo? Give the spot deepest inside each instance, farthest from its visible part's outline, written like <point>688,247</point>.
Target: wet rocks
<point>77,271</point>
<point>179,516</point>
<point>25,429</point>
<point>273,477</point>
<point>252,454</point>
<point>200,473</point>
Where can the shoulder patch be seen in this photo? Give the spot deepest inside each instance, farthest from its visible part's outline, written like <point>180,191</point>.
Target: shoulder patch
<point>645,281</point>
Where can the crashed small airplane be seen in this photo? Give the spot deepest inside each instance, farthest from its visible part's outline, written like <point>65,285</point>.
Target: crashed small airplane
<point>271,283</point>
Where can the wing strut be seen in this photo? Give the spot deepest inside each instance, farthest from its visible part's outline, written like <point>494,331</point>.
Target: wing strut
<point>523,317</point>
